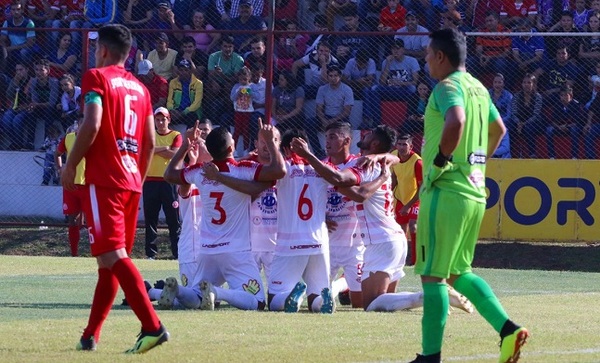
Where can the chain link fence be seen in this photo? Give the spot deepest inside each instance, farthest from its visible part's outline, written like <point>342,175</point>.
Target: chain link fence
<point>350,60</point>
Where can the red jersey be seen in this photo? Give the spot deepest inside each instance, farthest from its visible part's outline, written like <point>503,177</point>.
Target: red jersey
<point>73,7</point>
<point>158,88</point>
<point>115,152</point>
<point>511,9</point>
<point>395,20</point>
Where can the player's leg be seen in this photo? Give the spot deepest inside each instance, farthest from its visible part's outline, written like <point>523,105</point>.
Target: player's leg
<point>353,265</point>
<point>151,211</point>
<point>384,264</point>
<point>285,289</point>
<point>208,275</point>
<point>245,290</point>
<point>72,209</point>
<point>170,206</point>
<point>316,276</point>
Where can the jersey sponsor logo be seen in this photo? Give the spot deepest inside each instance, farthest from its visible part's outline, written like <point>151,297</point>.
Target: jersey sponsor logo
<point>476,158</point>
<point>335,202</point>
<point>215,245</point>
<point>299,173</point>
<point>305,247</point>
<point>267,203</point>
<point>477,178</point>
<point>128,144</point>
<point>206,181</point>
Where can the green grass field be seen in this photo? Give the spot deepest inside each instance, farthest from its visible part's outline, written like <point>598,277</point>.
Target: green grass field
<point>44,304</point>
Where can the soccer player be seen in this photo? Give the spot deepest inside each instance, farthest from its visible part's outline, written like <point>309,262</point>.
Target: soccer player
<point>462,129</point>
<point>117,137</point>
<point>225,227</point>
<point>346,248</point>
<point>407,177</point>
<point>72,199</point>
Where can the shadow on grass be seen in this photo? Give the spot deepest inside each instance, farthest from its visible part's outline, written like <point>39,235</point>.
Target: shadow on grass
<point>57,306</point>
<point>531,256</point>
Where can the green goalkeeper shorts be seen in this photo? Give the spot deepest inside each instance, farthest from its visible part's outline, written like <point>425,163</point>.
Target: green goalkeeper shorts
<point>447,231</point>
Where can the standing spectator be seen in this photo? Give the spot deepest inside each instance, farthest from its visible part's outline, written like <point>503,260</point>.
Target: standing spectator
<point>235,8</point>
<point>205,42</point>
<point>414,45</point>
<point>513,11</point>
<point>114,184</point>
<point>527,51</point>
<point>334,103</point>
<point>589,48</point>
<point>346,46</point>
<point>591,130</point>
<point>18,97</point>
<point>257,53</point>
<point>567,118</point>
<point>19,44</point>
<point>526,121</point>
<point>557,72</point>
<point>502,99</point>
<point>71,16</point>
<point>288,103</point>
<point>245,21</point>
<point>241,96</point>
<point>492,52</point>
<point>158,87</point>
<point>157,193</point>
<point>398,81</point>
<point>70,101</point>
<point>44,93</point>
<point>259,93</point>
<point>53,136</point>
<point>163,57</point>
<point>62,59</point>
<point>184,100</point>
<point>290,46</point>
<point>318,63</point>
<point>360,73</point>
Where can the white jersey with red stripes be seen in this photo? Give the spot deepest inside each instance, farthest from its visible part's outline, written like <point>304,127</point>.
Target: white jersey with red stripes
<point>263,214</point>
<point>225,224</point>
<point>342,210</point>
<point>190,210</point>
<point>376,214</point>
<point>301,205</point>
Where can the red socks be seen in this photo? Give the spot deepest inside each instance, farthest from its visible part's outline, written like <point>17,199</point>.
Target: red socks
<point>106,291</point>
<point>413,249</point>
<point>74,240</point>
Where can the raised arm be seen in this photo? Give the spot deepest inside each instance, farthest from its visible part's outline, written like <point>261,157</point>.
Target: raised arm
<point>249,187</point>
<point>360,193</point>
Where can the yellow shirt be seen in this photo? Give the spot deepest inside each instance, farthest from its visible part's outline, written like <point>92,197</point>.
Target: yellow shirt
<point>408,174</point>
<point>158,165</point>
<point>80,170</point>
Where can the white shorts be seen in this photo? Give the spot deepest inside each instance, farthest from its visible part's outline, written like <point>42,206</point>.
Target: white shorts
<point>263,261</point>
<point>188,274</point>
<point>286,271</point>
<point>350,258</point>
<point>388,257</point>
<point>235,268</point>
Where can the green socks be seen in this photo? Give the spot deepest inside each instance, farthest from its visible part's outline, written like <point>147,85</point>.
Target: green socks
<point>435,313</point>
<point>481,295</point>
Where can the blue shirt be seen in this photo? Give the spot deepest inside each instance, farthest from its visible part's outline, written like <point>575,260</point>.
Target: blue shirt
<point>503,104</point>
<point>185,95</point>
<point>528,47</point>
<point>18,37</point>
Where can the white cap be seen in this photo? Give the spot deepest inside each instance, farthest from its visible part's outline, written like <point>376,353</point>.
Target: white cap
<point>93,35</point>
<point>144,67</point>
<point>162,110</point>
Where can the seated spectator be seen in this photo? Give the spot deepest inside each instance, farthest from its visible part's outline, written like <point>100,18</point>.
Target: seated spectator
<point>19,44</point>
<point>223,67</point>
<point>526,120</point>
<point>565,25</point>
<point>360,73</point>
<point>318,63</point>
<point>392,17</point>
<point>257,53</point>
<point>416,110</point>
<point>197,59</point>
<point>594,80</point>
<point>334,103</point>
<point>581,15</point>
<point>101,12</point>
<point>591,130</point>
<point>163,57</point>
<point>134,57</point>
<point>71,16</point>
<point>414,45</point>
<point>527,51</point>
<point>288,103</point>
<point>42,13</point>
<point>371,6</point>
<point>451,6</point>
<point>453,20</point>
<point>346,46</point>
<point>245,21</point>
<point>157,86</point>
<point>290,46</point>
<point>557,72</point>
<point>491,52</point>
<point>503,101</point>
<point>243,107</point>
<point>184,9</point>
<point>163,19</point>
<point>230,9</point>
<point>397,82</point>
<point>70,101</point>
<point>62,59</point>
<point>44,95</point>
<point>285,10</point>
<point>337,7</point>
<point>184,100</point>
<point>14,116</point>
<point>514,11</point>
<point>320,25</point>
<point>138,14</point>
<point>567,118</point>
<point>205,42</point>
<point>589,47</point>
<point>482,8</point>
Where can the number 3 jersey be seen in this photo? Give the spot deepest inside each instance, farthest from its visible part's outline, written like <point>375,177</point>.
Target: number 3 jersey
<point>225,224</point>
<point>301,228</point>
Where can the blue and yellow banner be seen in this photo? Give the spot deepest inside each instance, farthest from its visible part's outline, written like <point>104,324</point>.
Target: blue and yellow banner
<point>542,200</point>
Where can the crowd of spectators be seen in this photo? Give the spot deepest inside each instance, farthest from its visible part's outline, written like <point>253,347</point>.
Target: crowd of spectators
<point>204,59</point>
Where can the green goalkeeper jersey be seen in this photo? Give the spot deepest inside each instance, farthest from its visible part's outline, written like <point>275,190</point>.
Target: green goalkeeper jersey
<point>463,90</point>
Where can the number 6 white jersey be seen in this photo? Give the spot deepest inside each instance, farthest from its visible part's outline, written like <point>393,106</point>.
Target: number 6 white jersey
<point>225,225</point>
<point>301,206</point>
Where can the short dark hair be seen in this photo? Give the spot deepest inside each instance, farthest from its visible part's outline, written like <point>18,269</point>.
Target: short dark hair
<point>44,62</point>
<point>350,10</point>
<point>286,139</point>
<point>116,38</point>
<point>334,68</point>
<point>188,39</point>
<point>566,13</point>
<point>452,43</point>
<point>386,137</point>
<point>206,121</point>
<point>227,39</point>
<point>362,55</point>
<point>324,43</point>
<point>565,88</point>
<point>216,143</point>
<point>407,137</point>
<point>258,39</point>
<point>344,127</point>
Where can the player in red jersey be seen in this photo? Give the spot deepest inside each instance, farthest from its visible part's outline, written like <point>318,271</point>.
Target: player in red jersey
<point>117,137</point>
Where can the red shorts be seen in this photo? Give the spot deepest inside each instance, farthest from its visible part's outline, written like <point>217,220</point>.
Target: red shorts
<point>72,200</point>
<point>412,214</point>
<point>111,215</point>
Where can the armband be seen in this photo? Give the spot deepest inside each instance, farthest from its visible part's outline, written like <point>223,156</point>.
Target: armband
<point>93,97</point>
